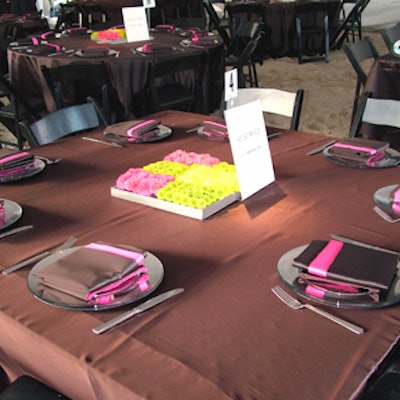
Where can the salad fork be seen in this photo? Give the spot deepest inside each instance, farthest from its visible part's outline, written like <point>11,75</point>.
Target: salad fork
<point>66,245</point>
<point>297,305</point>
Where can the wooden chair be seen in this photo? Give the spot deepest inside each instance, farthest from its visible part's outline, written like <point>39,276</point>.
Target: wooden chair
<point>63,122</point>
<point>274,101</point>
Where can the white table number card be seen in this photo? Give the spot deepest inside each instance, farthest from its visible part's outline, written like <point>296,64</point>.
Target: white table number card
<point>135,22</point>
<point>250,147</point>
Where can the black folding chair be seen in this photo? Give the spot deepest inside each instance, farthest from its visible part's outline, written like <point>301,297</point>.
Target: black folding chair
<point>391,36</point>
<point>312,23</point>
<point>64,122</point>
<point>357,53</point>
<point>71,84</point>
<point>16,109</point>
<point>174,84</point>
<point>351,24</point>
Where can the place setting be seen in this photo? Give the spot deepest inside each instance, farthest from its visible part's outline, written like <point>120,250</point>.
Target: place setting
<point>387,201</point>
<point>16,165</point>
<point>138,131</point>
<point>361,153</point>
<point>10,213</point>
<point>342,273</point>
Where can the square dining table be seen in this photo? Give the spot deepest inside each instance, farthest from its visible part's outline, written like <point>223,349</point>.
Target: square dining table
<point>226,336</point>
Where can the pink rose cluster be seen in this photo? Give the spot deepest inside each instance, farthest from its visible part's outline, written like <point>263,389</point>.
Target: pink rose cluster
<point>138,181</point>
<point>190,158</point>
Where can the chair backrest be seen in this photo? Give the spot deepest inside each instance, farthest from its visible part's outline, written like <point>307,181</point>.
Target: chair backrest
<point>61,123</point>
<point>374,111</point>
<point>170,70</point>
<point>391,36</point>
<point>359,52</point>
<point>273,101</point>
<point>72,83</point>
<point>17,100</point>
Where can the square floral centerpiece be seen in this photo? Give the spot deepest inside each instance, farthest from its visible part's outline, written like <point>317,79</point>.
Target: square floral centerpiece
<point>186,183</point>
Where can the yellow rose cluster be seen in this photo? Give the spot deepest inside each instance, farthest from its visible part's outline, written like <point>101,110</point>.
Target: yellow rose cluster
<point>201,185</point>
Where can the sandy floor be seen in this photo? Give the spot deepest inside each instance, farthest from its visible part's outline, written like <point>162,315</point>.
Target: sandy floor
<point>329,88</point>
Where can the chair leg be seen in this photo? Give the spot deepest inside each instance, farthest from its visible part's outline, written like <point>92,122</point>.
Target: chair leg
<point>326,29</point>
<point>299,41</point>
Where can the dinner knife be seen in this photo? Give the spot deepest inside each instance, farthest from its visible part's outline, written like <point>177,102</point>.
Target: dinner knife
<point>362,244</point>
<point>136,310</point>
<point>321,148</point>
<point>15,230</point>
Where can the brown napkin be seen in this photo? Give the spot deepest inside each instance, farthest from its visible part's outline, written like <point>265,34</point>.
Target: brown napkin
<point>358,149</point>
<point>133,130</point>
<point>88,269</point>
<point>10,159</point>
<point>346,262</point>
<point>95,51</point>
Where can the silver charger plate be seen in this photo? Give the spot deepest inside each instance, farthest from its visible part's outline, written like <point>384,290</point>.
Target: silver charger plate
<point>382,198</point>
<point>13,213</point>
<point>49,296</point>
<point>39,167</point>
<point>161,132</point>
<point>289,274</point>
<point>390,159</point>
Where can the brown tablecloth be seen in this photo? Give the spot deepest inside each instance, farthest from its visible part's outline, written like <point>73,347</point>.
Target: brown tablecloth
<point>280,27</point>
<point>227,336</point>
<point>128,71</point>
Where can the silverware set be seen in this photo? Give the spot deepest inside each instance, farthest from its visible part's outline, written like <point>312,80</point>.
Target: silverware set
<point>14,231</point>
<point>66,245</point>
<point>297,305</point>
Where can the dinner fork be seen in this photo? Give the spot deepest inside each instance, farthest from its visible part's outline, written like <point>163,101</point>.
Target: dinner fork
<point>297,305</point>
<point>66,245</point>
<point>386,216</point>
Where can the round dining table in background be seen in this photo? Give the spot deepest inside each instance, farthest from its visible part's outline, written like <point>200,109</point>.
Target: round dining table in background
<point>127,67</point>
<point>280,24</point>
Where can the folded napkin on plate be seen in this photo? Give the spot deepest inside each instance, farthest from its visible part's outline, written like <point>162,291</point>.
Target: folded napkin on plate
<point>395,199</point>
<point>134,130</point>
<point>360,150</point>
<point>95,51</point>
<point>346,262</point>
<point>96,271</point>
<point>44,48</point>
<point>77,31</point>
<point>152,48</point>
<point>47,35</point>
<point>13,162</point>
<point>214,130</point>
<point>204,40</point>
